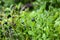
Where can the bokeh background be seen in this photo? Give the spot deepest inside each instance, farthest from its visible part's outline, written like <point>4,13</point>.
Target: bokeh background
<point>29,19</point>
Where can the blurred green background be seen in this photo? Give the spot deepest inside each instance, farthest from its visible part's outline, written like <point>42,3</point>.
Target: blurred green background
<point>29,19</point>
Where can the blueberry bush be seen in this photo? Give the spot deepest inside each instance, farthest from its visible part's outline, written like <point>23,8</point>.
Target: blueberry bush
<point>29,20</point>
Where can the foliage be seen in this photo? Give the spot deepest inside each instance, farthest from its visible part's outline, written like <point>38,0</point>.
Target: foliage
<point>38,24</point>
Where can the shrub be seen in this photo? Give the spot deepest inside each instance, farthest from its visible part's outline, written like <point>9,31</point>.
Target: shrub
<point>38,24</point>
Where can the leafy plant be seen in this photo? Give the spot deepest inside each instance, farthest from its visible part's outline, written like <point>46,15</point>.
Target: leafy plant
<point>38,24</point>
